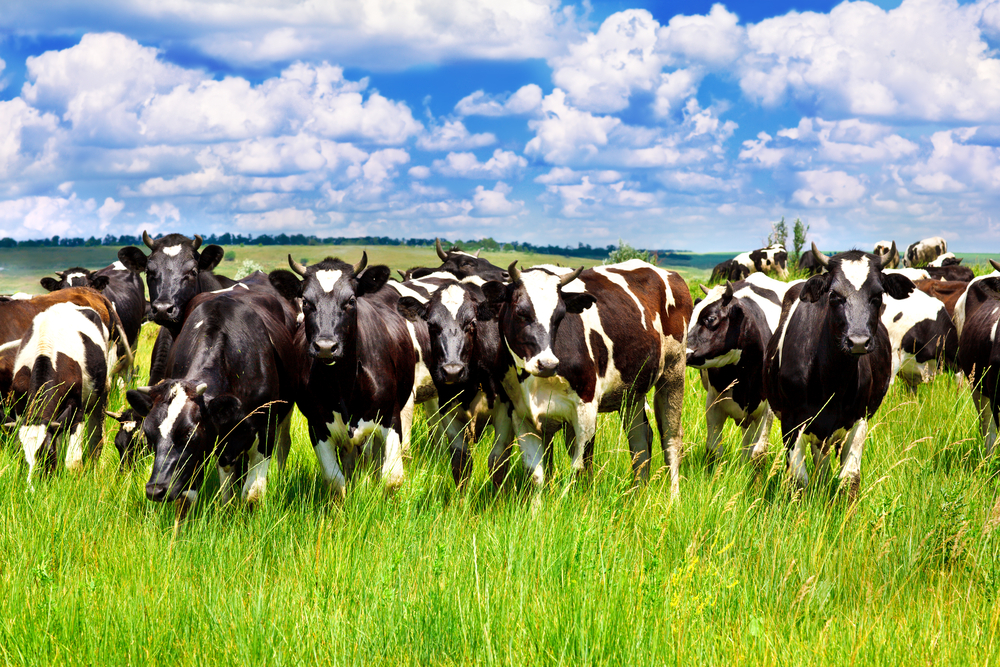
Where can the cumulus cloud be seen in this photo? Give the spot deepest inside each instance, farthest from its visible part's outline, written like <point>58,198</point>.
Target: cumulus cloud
<point>525,100</point>
<point>280,220</point>
<point>35,217</point>
<point>494,203</point>
<point>503,164</point>
<point>825,188</point>
<point>586,198</point>
<point>453,135</point>
<point>835,142</point>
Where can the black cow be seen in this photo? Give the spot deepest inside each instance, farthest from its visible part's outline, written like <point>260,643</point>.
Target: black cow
<point>979,351</point>
<point>123,288</point>
<point>231,380</point>
<point>464,349</point>
<point>129,440</point>
<point>729,271</point>
<point>460,264</point>
<point>950,272</point>
<point>809,264</point>
<point>584,342</point>
<point>361,373</point>
<point>828,364</point>
<point>729,331</point>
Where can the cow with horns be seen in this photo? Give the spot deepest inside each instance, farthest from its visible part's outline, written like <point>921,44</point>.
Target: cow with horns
<point>230,384</point>
<point>584,342</point>
<point>979,350</point>
<point>828,365</point>
<point>460,264</point>
<point>886,252</point>
<point>123,288</point>
<point>360,374</point>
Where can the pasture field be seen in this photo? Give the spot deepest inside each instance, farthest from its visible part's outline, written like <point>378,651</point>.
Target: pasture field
<point>594,571</point>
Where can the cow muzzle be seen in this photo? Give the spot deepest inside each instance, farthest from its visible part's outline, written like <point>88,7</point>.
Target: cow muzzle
<point>542,365</point>
<point>164,312</point>
<point>326,349</point>
<point>452,373</point>
<point>858,345</point>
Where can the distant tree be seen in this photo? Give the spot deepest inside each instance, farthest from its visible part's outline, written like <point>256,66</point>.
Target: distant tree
<point>625,252</point>
<point>779,233</point>
<point>799,231</point>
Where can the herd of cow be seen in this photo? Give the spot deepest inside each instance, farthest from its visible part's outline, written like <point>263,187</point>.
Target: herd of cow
<point>530,350</point>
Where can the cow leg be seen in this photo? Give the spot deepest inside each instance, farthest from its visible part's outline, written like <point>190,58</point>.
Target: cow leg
<point>457,427</point>
<point>283,441</point>
<point>821,458</point>
<point>74,445</point>
<point>715,420</point>
<point>668,402</point>
<point>227,475</point>
<point>636,426</point>
<point>34,441</point>
<point>850,459</point>
<point>987,422</point>
<point>756,435</point>
<point>532,454</point>
<point>392,463</point>
<point>255,485</point>
<point>406,422</point>
<point>503,441</point>
<point>95,430</point>
<point>795,459</point>
<point>326,455</point>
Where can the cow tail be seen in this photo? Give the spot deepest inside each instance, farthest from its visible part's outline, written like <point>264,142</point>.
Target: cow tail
<point>122,338</point>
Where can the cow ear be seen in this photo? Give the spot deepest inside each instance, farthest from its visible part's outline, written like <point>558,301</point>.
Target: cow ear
<point>286,284</point>
<point>372,279</point>
<point>50,283</point>
<point>897,285</point>
<point>486,311</point>
<point>990,287</point>
<point>210,257</point>
<point>225,410</point>
<point>99,283</point>
<point>140,401</point>
<point>411,308</point>
<point>496,292</point>
<point>815,288</point>
<point>133,259</point>
<point>420,273</point>
<point>577,303</point>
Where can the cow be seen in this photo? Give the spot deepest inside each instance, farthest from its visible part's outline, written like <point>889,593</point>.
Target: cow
<point>122,287</point>
<point>808,264</point>
<point>913,274</point>
<point>828,364</point>
<point>360,373</point>
<point>729,331</point>
<point>587,341</point>
<point>885,251</point>
<point>61,380</point>
<point>772,258</point>
<point>129,440</point>
<point>947,259</point>
<point>230,384</point>
<point>922,337</point>
<point>16,316</point>
<point>464,349</point>
<point>979,351</point>
<point>947,292</point>
<point>951,272</point>
<point>965,306</point>
<point>923,252</point>
<point>729,270</point>
<point>175,272</point>
<point>460,264</point>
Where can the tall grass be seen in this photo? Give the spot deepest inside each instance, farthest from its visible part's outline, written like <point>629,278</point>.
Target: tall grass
<point>599,572</point>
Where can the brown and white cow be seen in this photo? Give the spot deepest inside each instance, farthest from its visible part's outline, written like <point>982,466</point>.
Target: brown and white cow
<point>584,342</point>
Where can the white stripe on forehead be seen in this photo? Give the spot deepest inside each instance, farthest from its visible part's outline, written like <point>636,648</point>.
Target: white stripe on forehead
<point>177,397</point>
<point>452,298</point>
<point>856,271</point>
<point>327,279</point>
<point>171,251</point>
<point>542,289</point>
<point>82,277</point>
<point>713,295</point>
<point>118,266</point>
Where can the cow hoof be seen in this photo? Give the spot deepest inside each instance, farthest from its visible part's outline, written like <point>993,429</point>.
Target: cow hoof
<point>257,491</point>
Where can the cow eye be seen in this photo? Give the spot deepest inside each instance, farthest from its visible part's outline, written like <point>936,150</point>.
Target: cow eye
<point>836,299</point>
<point>351,302</point>
<point>308,306</point>
<point>470,325</point>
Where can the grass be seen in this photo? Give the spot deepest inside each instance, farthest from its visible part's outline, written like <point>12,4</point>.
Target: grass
<point>599,572</point>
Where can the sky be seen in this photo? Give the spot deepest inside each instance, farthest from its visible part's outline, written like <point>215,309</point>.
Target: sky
<point>690,125</point>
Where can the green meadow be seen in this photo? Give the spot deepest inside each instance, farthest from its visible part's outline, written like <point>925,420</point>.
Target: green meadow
<point>592,570</point>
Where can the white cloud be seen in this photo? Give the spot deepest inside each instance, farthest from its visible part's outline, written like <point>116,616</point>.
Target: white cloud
<point>453,135</point>
<point>821,187</point>
<point>109,211</point>
<point>955,165</point>
<point>494,203</point>
<point>420,172</point>
<point>36,217</point>
<point>503,164</point>
<point>587,199</point>
<point>382,164</point>
<point>280,220</point>
<point>714,39</point>
<point>525,100</point>
<point>164,211</point>
<point>819,141</point>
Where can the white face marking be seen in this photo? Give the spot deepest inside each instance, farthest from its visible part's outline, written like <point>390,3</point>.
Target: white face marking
<point>128,427</point>
<point>327,279</point>
<point>118,266</point>
<point>177,397</point>
<point>856,271</point>
<point>171,251</point>
<point>452,298</point>
<point>541,288</point>
<point>76,279</point>
<point>993,333</point>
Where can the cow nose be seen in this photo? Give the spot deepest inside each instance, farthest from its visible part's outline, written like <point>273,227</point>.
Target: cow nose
<point>547,367</point>
<point>163,310</point>
<point>452,372</point>
<point>859,344</point>
<point>156,492</point>
<point>324,348</point>
<point>505,275</point>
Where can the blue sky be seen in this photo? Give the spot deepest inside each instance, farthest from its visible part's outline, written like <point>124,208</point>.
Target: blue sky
<point>671,125</point>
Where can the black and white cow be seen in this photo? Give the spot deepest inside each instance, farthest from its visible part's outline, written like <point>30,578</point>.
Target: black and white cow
<point>726,340</point>
<point>122,287</point>
<point>460,264</point>
<point>129,440</point>
<point>886,252</point>
<point>970,300</point>
<point>465,348</point>
<point>231,381</point>
<point>729,271</point>
<point>951,272</point>
<point>829,363</point>
<point>947,259</point>
<point>60,381</point>
<point>583,342</point>
<point>808,263</point>
<point>362,364</point>
<point>979,351</point>
<point>922,336</point>
<point>925,251</point>
<point>913,274</point>
<point>772,258</point>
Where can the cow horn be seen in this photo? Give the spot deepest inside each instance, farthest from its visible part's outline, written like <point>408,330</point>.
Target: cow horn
<point>197,241</point>
<point>823,260</point>
<point>728,294</point>
<point>143,390</point>
<point>10,425</point>
<point>996,264</point>
<point>705,289</point>
<point>440,250</point>
<point>886,260</point>
<point>61,274</point>
<point>113,415</point>
<point>296,267</point>
<point>360,266</point>
<point>515,273</point>
<point>145,239</point>
<point>476,254</point>
<point>54,426</point>
<point>570,277</point>
<point>201,389</point>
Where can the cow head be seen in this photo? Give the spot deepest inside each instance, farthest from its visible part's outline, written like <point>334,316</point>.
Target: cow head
<point>75,277</point>
<point>852,288</point>
<point>330,291</point>
<point>452,315</point>
<point>129,440</point>
<point>887,253</point>
<point>171,272</point>
<point>181,425</point>
<point>530,310</point>
<point>713,336</point>
<point>461,265</point>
